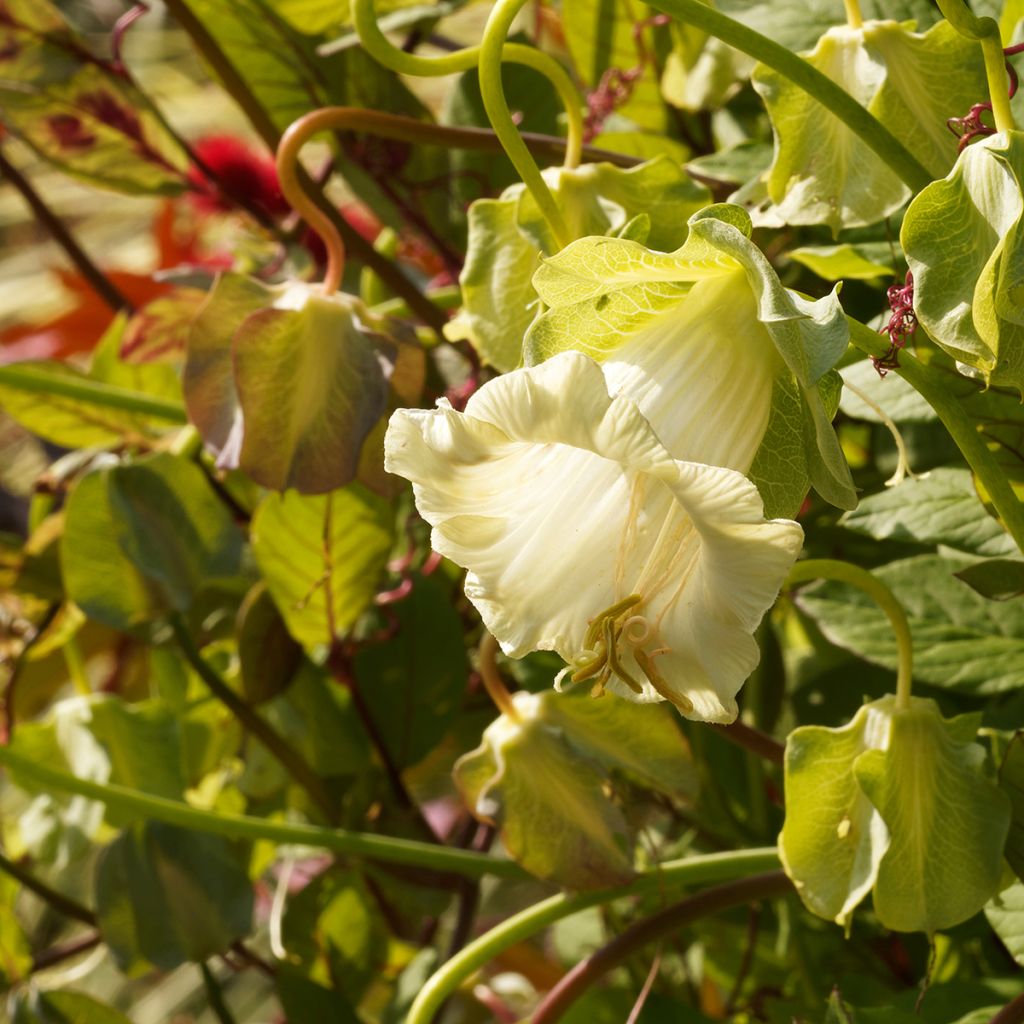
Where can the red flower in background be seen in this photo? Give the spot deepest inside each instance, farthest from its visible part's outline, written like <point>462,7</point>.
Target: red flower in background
<point>241,169</point>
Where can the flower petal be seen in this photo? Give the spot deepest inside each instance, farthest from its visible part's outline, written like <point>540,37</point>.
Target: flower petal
<point>703,373</point>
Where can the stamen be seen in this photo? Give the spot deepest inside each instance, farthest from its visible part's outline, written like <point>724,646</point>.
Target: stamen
<point>596,627</point>
<point>586,669</point>
<point>657,680</point>
<point>611,637</point>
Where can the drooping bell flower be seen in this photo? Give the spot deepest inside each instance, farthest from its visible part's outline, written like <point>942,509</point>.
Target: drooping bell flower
<point>962,238</point>
<point>583,535</point>
<point>729,367</point>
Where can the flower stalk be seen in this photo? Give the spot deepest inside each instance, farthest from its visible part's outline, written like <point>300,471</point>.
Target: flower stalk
<point>844,572</point>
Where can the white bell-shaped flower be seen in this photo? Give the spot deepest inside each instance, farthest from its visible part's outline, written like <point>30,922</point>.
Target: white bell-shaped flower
<point>581,534</point>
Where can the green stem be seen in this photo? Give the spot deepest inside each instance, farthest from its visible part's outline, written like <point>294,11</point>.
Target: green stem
<point>278,747</point>
<point>385,849</point>
<point>61,903</point>
<point>986,31</point>
<point>866,127</point>
<point>75,662</point>
<point>27,377</point>
<point>94,277</point>
<point>666,922</point>
<point>998,82</point>
<point>491,48</point>
<point>844,572</point>
<point>963,431</point>
<point>378,46</point>
<point>493,683</point>
<point>710,867</point>
<point>215,997</point>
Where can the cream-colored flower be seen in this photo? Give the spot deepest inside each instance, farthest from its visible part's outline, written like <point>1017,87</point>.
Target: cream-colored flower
<point>581,534</point>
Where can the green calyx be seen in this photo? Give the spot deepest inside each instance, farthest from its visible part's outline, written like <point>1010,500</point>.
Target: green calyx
<point>509,238</point>
<point>898,803</point>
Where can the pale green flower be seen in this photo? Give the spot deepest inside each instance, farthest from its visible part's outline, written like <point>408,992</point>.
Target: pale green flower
<point>582,534</point>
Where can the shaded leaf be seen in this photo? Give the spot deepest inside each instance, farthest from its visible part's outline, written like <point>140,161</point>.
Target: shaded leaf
<point>961,640</point>
<point>939,508</point>
<point>267,654</point>
<point>173,527</point>
<point>168,895</point>
<point>333,930</point>
<point>1006,916</point>
<point>414,683</point>
<point>998,579</point>
<point>1011,780</point>
<point>64,1007</point>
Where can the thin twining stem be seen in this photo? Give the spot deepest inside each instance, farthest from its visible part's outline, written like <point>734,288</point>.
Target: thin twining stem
<point>863,124</point>
<point>666,922</point>
<point>493,94</point>
<point>378,46</point>
<point>844,572</point>
<point>57,900</point>
<point>695,870</point>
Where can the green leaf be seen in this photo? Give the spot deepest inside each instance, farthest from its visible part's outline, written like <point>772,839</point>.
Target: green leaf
<point>1005,914</point>
<point>172,526</point>
<point>67,407</point>
<point>1011,781</point>
<point>508,236</point>
<point>414,683</point>
<point>642,742</point>
<point>98,575</point>
<point>899,802</point>
<point>961,237</point>
<point>864,261</point>
<point>840,1012</point>
<point>947,820</point>
<point>891,393</point>
<point>548,797</point>
<point>303,999</point>
<point>268,656</point>
<point>601,34</point>
<point>63,1007</point>
<point>168,895</point>
<point>822,172</point>
<point>941,507</point>
<point>78,113</point>
<point>833,838</point>
<point>322,558</point>
<point>333,930</point>
<point>15,951</point>
<point>998,579</point>
<point>961,640</point>
<point>290,393</point>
